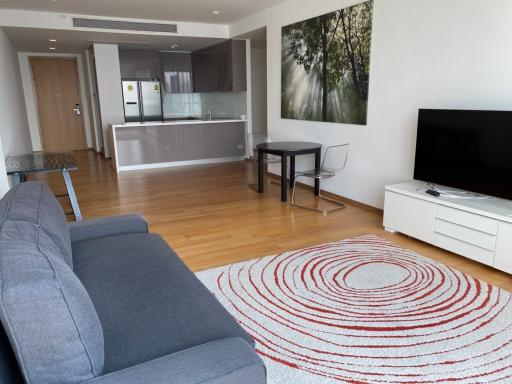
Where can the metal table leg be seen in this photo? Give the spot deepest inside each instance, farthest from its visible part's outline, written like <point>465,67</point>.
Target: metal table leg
<point>318,155</point>
<point>72,196</point>
<point>284,177</point>
<point>260,170</point>
<point>292,171</point>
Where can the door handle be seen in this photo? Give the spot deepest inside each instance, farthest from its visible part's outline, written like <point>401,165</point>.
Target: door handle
<point>77,109</point>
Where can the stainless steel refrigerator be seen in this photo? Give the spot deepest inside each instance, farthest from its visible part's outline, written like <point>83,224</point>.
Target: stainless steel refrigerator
<point>142,100</point>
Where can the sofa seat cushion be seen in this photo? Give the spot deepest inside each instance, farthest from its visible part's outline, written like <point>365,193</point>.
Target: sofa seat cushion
<point>33,202</point>
<point>226,361</point>
<point>149,303</point>
<point>45,311</point>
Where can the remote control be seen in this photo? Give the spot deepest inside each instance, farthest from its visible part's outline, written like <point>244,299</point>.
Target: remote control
<point>433,192</point>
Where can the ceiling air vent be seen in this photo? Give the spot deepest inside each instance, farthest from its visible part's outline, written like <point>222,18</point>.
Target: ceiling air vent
<point>124,25</point>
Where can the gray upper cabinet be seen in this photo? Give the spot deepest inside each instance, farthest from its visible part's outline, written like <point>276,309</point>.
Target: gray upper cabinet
<point>206,69</point>
<point>139,64</point>
<point>238,66</point>
<point>220,68</point>
<point>176,72</point>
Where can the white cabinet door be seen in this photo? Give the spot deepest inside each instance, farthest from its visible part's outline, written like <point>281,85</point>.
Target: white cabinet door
<point>503,255</point>
<point>410,216</point>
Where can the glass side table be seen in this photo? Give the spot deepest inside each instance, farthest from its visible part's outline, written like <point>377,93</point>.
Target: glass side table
<point>20,165</point>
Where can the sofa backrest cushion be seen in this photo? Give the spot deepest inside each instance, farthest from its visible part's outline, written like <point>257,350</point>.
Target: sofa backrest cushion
<point>46,312</point>
<point>35,203</point>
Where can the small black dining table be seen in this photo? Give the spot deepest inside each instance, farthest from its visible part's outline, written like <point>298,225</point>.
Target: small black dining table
<point>286,149</point>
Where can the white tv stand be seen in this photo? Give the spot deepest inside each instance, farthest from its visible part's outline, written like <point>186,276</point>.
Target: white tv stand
<point>479,229</point>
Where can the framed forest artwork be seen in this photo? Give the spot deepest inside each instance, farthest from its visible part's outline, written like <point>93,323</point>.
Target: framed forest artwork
<point>325,64</point>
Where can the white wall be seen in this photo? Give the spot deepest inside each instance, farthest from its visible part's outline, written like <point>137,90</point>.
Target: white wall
<point>31,99</point>
<point>93,99</point>
<point>110,93</point>
<point>13,119</point>
<point>425,54</point>
<point>4,182</point>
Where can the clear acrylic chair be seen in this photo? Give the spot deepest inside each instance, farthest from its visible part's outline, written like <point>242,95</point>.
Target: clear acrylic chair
<point>253,139</point>
<point>334,161</point>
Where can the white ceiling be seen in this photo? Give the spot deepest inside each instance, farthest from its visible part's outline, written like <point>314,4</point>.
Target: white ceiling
<point>173,10</point>
<point>37,40</point>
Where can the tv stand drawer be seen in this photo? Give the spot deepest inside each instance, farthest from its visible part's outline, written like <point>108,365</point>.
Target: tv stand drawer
<point>467,219</point>
<point>503,257</point>
<point>470,251</point>
<point>465,234</point>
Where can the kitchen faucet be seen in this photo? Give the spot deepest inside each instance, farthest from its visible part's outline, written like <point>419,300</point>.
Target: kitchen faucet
<point>210,111</point>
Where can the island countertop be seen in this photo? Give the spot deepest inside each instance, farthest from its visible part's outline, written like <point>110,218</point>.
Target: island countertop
<point>179,122</point>
<point>157,144</point>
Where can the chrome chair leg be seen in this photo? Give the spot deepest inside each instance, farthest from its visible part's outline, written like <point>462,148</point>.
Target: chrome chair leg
<point>339,204</point>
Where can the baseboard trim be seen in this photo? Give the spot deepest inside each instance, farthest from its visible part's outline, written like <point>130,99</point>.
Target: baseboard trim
<point>330,194</point>
<point>124,168</point>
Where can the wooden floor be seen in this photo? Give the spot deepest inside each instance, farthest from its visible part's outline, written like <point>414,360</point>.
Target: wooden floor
<point>211,218</point>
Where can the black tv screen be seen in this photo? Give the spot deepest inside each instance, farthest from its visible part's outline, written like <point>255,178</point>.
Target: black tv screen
<point>469,150</point>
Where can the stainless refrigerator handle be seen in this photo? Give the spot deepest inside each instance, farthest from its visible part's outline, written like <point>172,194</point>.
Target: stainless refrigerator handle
<point>141,101</point>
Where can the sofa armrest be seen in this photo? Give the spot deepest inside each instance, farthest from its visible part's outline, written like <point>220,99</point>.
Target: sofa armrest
<point>107,226</point>
<point>226,361</point>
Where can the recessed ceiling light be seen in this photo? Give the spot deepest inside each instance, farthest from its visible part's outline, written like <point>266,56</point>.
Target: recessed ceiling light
<point>52,40</point>
<point>216,12</point>
<point>52,48</point>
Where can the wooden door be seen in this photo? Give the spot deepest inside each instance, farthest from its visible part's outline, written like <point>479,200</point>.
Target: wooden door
<point>59,105</point>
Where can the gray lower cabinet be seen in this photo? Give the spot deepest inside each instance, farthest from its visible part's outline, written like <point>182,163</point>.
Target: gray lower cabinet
<point>155,144</point>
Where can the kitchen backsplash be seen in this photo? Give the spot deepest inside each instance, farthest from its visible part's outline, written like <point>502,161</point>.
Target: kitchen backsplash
<point>223,104</point>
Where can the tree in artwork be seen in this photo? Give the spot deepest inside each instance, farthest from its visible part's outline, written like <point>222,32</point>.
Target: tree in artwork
<point>325,66</point>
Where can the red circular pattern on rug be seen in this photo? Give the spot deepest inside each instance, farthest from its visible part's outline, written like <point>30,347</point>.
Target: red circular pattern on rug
<point>366,311</point>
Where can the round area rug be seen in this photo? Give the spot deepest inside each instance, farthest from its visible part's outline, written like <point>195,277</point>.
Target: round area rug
<point>366,311</point>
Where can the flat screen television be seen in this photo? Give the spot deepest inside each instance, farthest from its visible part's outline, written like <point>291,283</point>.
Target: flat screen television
<point>468,150</point>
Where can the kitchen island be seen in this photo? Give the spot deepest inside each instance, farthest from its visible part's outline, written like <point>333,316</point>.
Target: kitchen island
<point>174,143</point>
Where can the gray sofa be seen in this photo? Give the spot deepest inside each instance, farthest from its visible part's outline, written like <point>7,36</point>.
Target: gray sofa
<point>106,302</point>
